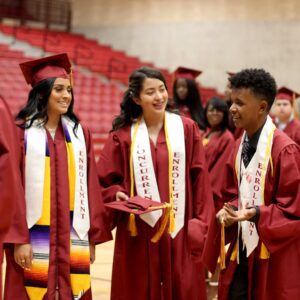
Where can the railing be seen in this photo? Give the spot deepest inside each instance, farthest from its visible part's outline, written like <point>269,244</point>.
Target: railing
<point>48,12</point>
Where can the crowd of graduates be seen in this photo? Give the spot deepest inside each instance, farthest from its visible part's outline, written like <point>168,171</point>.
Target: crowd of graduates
<point>189,188</point>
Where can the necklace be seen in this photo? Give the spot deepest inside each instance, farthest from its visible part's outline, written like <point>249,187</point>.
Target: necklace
<point>51,129</point>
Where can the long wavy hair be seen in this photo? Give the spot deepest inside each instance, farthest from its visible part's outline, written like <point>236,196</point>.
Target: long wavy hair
<point>129,109</point>
<point>193,102</point>
<point>220,105</point>
<point>37,106</point>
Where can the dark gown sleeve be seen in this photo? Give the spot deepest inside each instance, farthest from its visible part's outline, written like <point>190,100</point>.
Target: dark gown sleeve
<point>99,230</point>
<point>279,222</point>
<point>220,150</point>
<point>111,172</point>
<point>229,192</point>
<point>202,228</point>
<point>18,232</point>
<point>10,178</point>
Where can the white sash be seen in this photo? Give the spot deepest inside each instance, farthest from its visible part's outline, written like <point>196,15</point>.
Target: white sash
<point>81,217</point>
<point>252,182</point>
<point>35,138</point>
<point>35,173</point>
<point>145,179</point>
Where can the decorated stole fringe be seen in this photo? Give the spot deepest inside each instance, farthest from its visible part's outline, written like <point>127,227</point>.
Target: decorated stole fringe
<point>36,279</point>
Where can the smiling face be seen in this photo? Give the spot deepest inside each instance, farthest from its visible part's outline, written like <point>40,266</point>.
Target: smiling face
<point>153,97</point>
<point>248,110</point>
<point>60,97</point>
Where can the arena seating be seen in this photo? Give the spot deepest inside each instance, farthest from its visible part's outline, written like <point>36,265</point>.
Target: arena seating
<point>100,74</point>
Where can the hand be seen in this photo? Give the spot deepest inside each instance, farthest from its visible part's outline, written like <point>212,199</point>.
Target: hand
<point>240,215</point>
<point>23,255</point>
<point>92,252</point>
<point>120,196</point>
<point>224,217</point>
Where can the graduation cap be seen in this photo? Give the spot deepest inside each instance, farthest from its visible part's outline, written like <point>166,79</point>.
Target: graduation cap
<point>187,73</point>
<point>137,206</point>
<point>37,70</point>
<point>285,93</point>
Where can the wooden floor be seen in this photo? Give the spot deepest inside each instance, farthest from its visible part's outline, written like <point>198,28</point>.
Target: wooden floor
<point>101,273</point>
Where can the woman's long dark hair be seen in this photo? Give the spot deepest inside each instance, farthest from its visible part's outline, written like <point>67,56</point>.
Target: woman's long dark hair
<point>129,109</point>
<point>37,105</point>
<point>220,105</point>
<point>192,101</point>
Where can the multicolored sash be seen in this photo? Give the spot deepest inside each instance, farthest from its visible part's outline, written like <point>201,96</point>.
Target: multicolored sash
<point>251,181</point>
<point>144,175</point>
<point>38,203</point>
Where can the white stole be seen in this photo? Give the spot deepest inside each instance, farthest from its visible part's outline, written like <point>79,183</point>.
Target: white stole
<point>251,182</point>
<point>36,139</point>
<point>144,175</point>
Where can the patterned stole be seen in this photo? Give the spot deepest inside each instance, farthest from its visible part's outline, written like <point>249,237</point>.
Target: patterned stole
<point>36,278</point>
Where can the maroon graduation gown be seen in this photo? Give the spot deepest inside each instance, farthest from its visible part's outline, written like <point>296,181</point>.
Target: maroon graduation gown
<point>276,278</point>
<point>10,177</point>
<point>217,151</point>
<point>292,129</point>
<point>172,268</point>
<point>59,262</point>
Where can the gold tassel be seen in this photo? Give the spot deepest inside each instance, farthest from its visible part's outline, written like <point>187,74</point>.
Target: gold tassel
<point>163,224</point>
<point>234,253</point>
<point>71,78</point>
<point>132,225</point>
<point>264,253</point>
<point>222,250</point>
<point>172,221</point>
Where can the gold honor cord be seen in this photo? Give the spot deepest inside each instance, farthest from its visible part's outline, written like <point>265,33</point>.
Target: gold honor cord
<point>132,224</point>
<point>171,195</point>
<point>71,78</point>
<point>168,212</point>
<point>222,250</point>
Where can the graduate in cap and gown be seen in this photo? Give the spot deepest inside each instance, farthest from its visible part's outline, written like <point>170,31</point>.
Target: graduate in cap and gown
<point>260,198</point>
<point>52,241</point>
<point>284,111</point>
<point>10,176</point>
<point>218,142</point>
<point>186,95</point>
<point>153,153</point>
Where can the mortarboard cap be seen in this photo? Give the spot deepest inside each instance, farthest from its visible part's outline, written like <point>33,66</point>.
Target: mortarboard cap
<point>187,73</point>
<point>37,70</point>
<point>285,93</point>
<point>135,205</point>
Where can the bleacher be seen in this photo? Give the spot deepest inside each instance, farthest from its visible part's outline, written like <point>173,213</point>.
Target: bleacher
<point>100,74</point>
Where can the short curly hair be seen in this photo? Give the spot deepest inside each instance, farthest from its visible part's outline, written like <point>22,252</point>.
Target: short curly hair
<point>261,83</point>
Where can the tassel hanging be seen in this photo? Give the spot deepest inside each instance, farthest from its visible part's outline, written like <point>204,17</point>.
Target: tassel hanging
<point>132,225</point>
<point>172,221</point>
<point>222,250</point>
<point>165,218</point>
